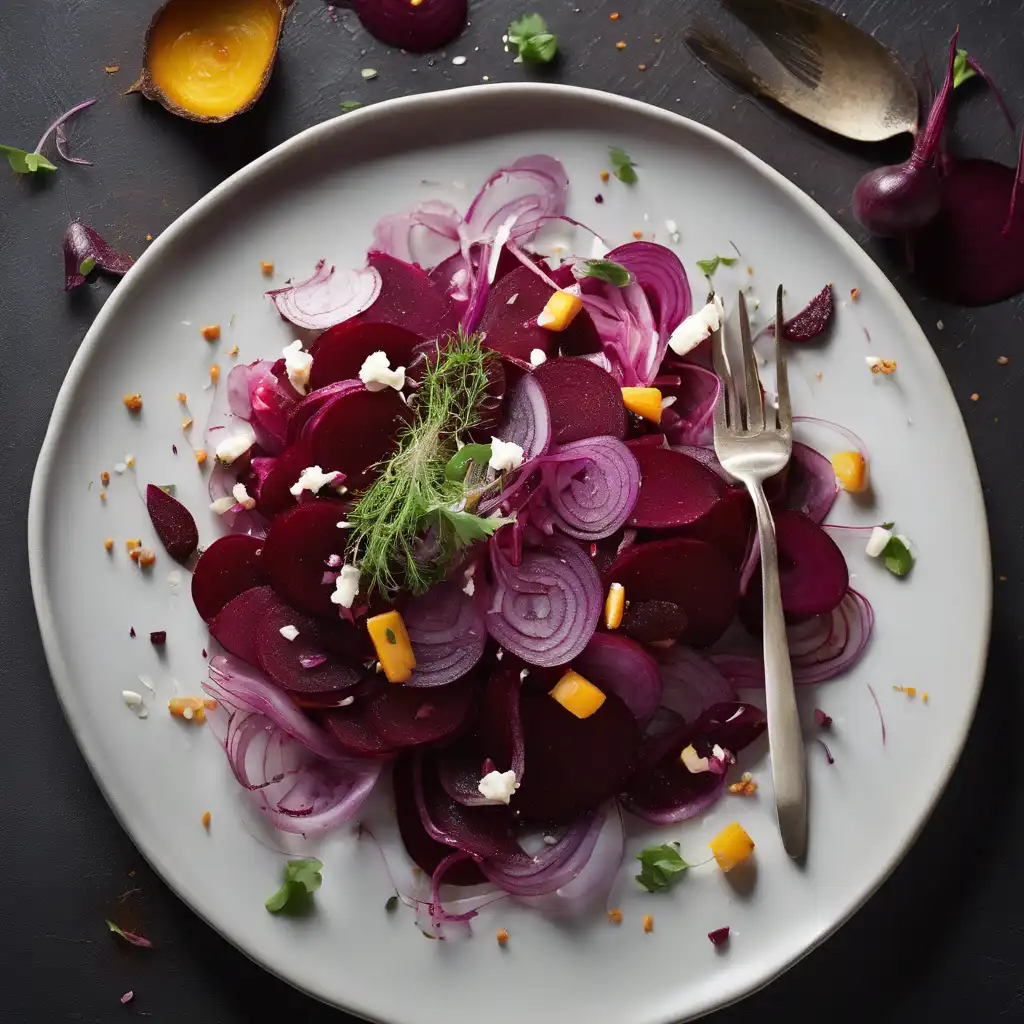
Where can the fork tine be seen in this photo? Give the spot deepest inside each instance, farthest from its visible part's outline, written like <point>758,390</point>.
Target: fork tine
<point>751,378</point>
<point>784,412</point>
<point>720,361</point>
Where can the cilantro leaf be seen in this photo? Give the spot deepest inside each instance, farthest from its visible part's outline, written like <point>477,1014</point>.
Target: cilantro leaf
<point>85,268</point>
<point>26,163</point>
<point>709,266</point>
<point>301,879</point>
<point>962,71</point>
<point>622,166</point>
<point>660,867</point>
<point>531,37</point>
<point>468,528</point>
<point>603,270</point>
<point>898,557</point>
<point>347,106</point>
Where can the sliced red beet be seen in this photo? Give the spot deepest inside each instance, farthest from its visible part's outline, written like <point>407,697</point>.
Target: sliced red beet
<point>427,853</point>
<point>407,716</point>
<point>339,353</point>
<point>350,727</point>
<point>727,526</point>
<point>314,402</point>
<point>690,574</point>
<point>227,568</point>
<point>295,553</point>
<point>675,489</point>
<point>273,494</point>
<point>812,320</point>
<point>355,432</point>
<point>572,764</point>
<point>173,523</point>
<point>584,400</point>
<point>237,623</point>
<point>510,320</point>
<point>306,664</point>
<point>409,299</point>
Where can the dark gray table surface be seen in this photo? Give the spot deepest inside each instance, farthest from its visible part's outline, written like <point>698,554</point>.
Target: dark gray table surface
<point>944,937</point>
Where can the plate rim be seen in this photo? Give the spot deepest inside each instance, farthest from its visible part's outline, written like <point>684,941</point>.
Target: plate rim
<point>352,123</point>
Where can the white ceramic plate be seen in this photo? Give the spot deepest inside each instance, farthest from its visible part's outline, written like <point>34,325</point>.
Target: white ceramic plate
<point>319,196</point>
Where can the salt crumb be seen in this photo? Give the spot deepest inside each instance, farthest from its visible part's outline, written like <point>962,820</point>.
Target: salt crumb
<point>939,325</point>
<point>458,61</point>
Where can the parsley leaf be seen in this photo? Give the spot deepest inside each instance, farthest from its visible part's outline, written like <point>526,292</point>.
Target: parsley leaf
<point>535,43</point>
<point>301,879</point>
<point>603,270</point>
<point>347,106</point>
<point>660,867</point>
<point>85,268</point>
<point>962,71</point>
<point>898,557</point>
<point>622,166</point>
<point>26,163</point>
<point>708,267</point>
<point>468,528</point>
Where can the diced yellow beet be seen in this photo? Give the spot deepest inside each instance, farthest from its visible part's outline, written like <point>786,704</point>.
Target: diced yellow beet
<point>732,846</point>
<point>560,311</point>
<point>578,695</point>
<point>394,649</point>
<point>851,471</point>
<point>614,606</point>
<point>645,402</point>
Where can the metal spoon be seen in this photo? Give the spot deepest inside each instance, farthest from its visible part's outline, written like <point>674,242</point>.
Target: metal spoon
<point>816,64</point>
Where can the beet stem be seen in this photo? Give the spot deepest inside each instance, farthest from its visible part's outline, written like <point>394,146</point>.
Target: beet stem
<point>927,143</point>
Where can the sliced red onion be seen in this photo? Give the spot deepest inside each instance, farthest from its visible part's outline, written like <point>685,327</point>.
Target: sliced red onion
<point>591,486</point>
<point>689,420</point>
<point>247,689</point>
<point>527,419</point>
<point>427,235</point>
<point>661,275</point>
<point>821,646</point>
<point>57,128</point>
<point>447,633</point>
<point>691,682</point>
<point>544,610</point>
<point>322,797</point>
<point>627,329</point>
<point>81,242</point>
<point>845,432</point>
<point>532,189</point>
<point>479,288</point>
<point>620,665</point>
<point>328,297</point>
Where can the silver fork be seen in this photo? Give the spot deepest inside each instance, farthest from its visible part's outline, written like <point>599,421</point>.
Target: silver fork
<point>754,443</point>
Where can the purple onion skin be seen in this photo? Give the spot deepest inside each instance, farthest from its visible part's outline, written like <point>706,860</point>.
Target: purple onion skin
<point>902,198</point>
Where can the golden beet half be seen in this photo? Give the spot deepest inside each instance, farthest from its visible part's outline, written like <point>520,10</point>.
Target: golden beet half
<point>208,60</point>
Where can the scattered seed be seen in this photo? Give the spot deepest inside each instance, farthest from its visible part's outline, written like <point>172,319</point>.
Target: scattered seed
<point>266,268</point>
<point>149,238</point>
<point>211,332</point>
<point>648,923</point>
<point>620,45</point>
<point>105,478</point>
<point>214,373</point>
<point>133,402</point>
<point>1003,360</point>
<point>146,558</point>
<point>614,16</point>
<point>502,937</point>
<point>108,545</point>
<point>638,235</point>
<point>615,916</point>
<point>103,495</point>
<point>855,294</point>
<point>975,396</point>
<point>641,67</point>
<point>206,820</point>
<point>233,351</point>
<point>182,398</point>
<point>112,69</point>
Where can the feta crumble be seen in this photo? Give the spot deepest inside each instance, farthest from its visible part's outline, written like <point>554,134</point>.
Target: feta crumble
<point>234,447</point>
<point>297,363</point>
<point>312,478</point>
<point>877,542</point>
<point>346,586</point>
<point>694,763</point>
<point>222,505</point>
<point>498,787</point>
<point>242,497</point>
<point>538,356</point>
<point>505,455</point>
<point>376,373</point>
<point>289,632</point>
<point>697,327</point>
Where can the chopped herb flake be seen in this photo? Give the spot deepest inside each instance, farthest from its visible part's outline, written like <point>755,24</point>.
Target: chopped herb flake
<point>347,106</point>
<point>962,71</point>
<point>390,634</point>
<point>622,166</point>
<point>531,37</point>
<point>301,879</point>
<point>708,267</point>
<point>660,867</point>
<point>603,270</point>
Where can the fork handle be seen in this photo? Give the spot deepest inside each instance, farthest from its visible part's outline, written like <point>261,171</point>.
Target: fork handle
<point>784,735</point>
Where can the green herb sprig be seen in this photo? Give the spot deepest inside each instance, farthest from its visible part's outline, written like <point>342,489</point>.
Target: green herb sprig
<point>531,37</point>
<point>413,493</point>
<point>709,266</point>
<point>962,71</point>
<point>660,867</point>
<point>622,165</point>
<point>302,878</point>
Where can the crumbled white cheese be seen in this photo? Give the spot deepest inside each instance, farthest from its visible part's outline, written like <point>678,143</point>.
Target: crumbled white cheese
<point>872,361</point>
<point>243,497</point>
<point>668,401</point>
<point>458,61</point>
<point>376,373</point>
<point>312,478</point>
<point>501,236</point>
<point>523,674</point>
<point>505,455</point>
<point>343,525</point>
<point>719,753</point>
<point>697,327</point>
<point>695,764</point>
<point>538,356</point>
<point>234,446</point>
<point>131,698</point>
<point>673,231</point>
<point>346,586</point>
<point>470,588</point>
<point>498,787</point>
<point>119,468</point>
<point>880,536</point>
<point>298,363</point>
<point>222,505</point>
<point>289,632</point>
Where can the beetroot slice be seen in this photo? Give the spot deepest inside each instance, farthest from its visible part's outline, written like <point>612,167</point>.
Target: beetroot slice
<point>675,489</point>
<point>273,494</point>
<point>173,523</point>
<point>282,659</point>
<point>584,400</point>
<point>339,353</point>
<point>315,402</point>
<point>572,764</point>
<point>236,624</point>
<point>355,432</point>
<point>405,716</point>
<point>511,326</point>
<point>351,729</point>
<point>812,320</point>
<point>427,853</point>
<point>690,574</point>
<point>728,526</point>
<point>295,553</point>
<point>227,568</point>
<point>409,299</point>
